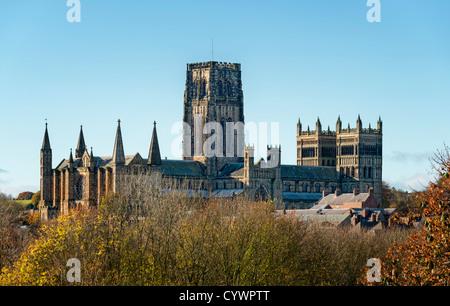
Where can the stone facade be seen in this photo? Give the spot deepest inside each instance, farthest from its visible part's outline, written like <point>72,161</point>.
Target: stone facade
<point>356,154</point>
<point>214,93</point>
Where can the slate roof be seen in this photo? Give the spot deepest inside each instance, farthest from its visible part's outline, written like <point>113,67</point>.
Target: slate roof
<point>226,193</point>
<point>232,169</point>
<point>332,199</point>
<point>308,173</point>
<point>299,196</point>
<point>326,216</point>
<point>186,168</point>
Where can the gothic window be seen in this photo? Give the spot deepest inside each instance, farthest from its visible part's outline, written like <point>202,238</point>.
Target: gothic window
<point>317,188</point>
<point>305,187</point>
<point>287,187</point>
<point>369,172</point>
<point>80,188</point>
<point>86,162</point>
<point>220,88</point>
<point>229,89</point>
<point>203,88</point>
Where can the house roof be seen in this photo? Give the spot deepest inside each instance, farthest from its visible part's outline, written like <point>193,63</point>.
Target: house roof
<point>332,199</point>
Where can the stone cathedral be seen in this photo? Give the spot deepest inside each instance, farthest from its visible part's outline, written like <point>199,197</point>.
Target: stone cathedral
<point>327,161</point>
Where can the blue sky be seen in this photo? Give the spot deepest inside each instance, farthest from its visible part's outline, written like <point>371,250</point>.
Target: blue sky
<point>307,59</point>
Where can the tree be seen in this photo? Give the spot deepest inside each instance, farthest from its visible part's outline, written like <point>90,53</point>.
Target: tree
<point>425,258</point>
<point>26,195</point>
<point>36,198</point>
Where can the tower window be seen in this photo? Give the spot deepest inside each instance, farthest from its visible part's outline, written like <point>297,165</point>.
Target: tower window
<point>229,89</point>
<point>220,88</point>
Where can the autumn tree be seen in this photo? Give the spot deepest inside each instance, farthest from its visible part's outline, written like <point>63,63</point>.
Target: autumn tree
<point>425,258</point>
<point>36,198</point>
<point>26,195</point>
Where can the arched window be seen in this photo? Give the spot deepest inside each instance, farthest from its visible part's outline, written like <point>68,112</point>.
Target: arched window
<point>220,88</point>
<point>305,187</point>
<point>317,188</point>
<point>287,187</point>
<point>80,188</point>
<point>229,89</point>
<point>203,89</point>
<point>369,172</point>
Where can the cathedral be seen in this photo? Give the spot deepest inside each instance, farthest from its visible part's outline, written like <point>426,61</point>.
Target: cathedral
<point>345,160</point>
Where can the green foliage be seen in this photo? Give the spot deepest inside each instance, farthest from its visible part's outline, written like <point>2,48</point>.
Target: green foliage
<point>36,198</point>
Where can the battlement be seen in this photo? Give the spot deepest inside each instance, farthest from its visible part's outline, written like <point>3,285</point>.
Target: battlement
<point>362,131</point>
<point>322,133</point>
<point>213,64</point>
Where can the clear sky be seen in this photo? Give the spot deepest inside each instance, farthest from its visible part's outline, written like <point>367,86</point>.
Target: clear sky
<point>300,58</point>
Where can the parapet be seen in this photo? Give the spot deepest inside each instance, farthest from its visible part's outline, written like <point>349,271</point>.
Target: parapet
<point>212,64</point>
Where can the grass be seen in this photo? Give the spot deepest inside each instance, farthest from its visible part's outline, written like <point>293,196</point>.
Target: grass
<point>22,202</point>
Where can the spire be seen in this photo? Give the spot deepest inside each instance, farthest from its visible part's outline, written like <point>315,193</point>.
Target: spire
<point>359,124</point>
<point>118,154</point>
<point>154,156</point>
<point>379,123</point>
<point>81,145</point>
<point>71,160</point>
<point>318,126</point>
<point>338,125</point>
<point>299,127</point>
<point>46,142</point>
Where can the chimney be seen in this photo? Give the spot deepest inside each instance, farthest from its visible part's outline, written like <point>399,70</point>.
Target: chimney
<point>355,191</point>
<point>337,192</point>
<point>355,220</point>
<point>371,191</point>
<point>365,213</point>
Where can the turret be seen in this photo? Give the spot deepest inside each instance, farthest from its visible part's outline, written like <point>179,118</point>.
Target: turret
<point>71,162</point>
<point>46,171</point>
<point>338,125</point>
<point>318,126</point>
<point>380,125</point>
<point>359,124</point>
<point>299,127</point>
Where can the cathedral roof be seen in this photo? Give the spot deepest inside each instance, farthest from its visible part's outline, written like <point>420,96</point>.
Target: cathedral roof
<point>186,168</point>
<point>317,173</point>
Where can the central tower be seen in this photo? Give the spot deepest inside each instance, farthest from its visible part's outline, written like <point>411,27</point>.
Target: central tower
<point>213,114</point>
